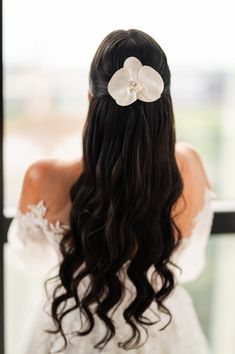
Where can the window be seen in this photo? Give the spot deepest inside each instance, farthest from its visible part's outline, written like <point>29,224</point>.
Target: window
<point>47,49</point>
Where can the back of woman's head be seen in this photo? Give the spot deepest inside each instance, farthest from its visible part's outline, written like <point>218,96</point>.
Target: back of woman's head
<point>121,215</point>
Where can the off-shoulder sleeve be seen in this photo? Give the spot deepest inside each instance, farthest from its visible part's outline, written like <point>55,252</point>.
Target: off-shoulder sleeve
<point>33,242</point>
<point>191,255</point>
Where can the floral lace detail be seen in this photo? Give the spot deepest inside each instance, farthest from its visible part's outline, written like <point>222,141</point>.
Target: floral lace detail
<point>190,256</point>
<point>33,241</point>
<point>39,227</point>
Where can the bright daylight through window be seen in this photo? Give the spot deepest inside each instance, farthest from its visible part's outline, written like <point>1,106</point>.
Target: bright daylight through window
<point>47,50</point>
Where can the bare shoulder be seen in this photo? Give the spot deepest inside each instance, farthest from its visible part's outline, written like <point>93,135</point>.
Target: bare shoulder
<point>33,183</point>
<point>195,181</point>
<point>49,180</point>
<point>186,151</point>
<point>190,162</point>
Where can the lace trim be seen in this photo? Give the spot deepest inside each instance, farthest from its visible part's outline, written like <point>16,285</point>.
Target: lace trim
<point>37,225</point>
<point>190,256</point>
<point>202,216</point>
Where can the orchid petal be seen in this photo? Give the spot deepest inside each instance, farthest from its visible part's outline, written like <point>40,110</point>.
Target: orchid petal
<point>133,65</point>
<point>129,98</point>
<point>118,87</point>
<point>152,83</point>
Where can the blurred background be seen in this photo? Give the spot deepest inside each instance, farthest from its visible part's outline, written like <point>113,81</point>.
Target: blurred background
<point>47,49</point>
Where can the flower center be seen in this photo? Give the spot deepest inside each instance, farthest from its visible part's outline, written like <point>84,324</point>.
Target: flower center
<point>135,86</point>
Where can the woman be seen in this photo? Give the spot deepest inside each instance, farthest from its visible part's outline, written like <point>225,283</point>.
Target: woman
<point>129,221</point>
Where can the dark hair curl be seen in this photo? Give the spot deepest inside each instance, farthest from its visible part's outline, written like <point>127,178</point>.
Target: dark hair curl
<point>122,201</point>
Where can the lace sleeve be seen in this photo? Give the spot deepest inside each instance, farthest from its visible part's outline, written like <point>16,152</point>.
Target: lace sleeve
<point>190,256</point>
<point>33,241</point>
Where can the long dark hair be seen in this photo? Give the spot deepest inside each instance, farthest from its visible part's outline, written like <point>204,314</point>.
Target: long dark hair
<point>122,201</point>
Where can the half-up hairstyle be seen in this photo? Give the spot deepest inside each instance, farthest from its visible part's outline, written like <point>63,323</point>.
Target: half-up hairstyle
<point>122,201</point>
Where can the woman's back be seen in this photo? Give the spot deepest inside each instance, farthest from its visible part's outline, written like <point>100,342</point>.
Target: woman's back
<point>50,180</point>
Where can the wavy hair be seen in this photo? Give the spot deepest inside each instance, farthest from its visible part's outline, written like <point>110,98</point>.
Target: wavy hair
<point>122,201</point>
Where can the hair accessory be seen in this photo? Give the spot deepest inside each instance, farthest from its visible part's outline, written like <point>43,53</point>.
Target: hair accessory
<point>135,81</point>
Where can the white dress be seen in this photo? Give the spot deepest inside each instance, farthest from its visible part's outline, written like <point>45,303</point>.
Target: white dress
<point>33,242</point>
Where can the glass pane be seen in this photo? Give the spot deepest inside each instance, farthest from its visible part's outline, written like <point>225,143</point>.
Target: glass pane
<point>204,109</point>
<point>213,294</point>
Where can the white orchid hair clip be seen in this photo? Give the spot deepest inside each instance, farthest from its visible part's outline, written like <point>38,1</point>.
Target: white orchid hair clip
<point>135,81</point>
